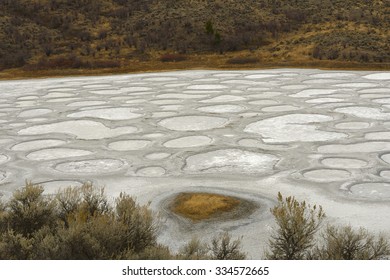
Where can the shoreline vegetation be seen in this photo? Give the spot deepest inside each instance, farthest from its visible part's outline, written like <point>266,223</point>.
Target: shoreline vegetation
<point>231,61</point>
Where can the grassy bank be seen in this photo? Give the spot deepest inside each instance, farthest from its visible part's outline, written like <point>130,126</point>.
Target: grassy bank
<point>229,61</point>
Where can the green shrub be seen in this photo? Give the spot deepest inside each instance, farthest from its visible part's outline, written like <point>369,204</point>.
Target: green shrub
<point>15,246</point>
<point>140,228</point>
<point>223,248</point>
<point>77,223</point>
<point>195,249</point>
<point>345,243</point>
<point>29,210</point>
<point>297,223</point>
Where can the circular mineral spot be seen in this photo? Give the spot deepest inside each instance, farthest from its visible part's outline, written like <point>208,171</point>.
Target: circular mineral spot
<point>226,75</point>
<point>111,91</point>
<point>203,206</point>
<point>327,175</point>
<point>151,171</point>
<point>263,102</point>
<point>166,101</point>
<point>223,108</point>
<point>82,129</point>
<point>37,144</point>
<point>378,76</point>
<point>58,95</point>
<point>332,75</point>
<point>136,101</point>
<point>253,143</point>
<point>37,120</point>
<point>188,142</point>
<point>324,100</point>
<point>86,103</point>
<point>181,96</point>
<point>344,162</point>
<point>372,190</point>
<point>355,85</point>
<point>175,85</point>
<point>34,113</point>
<point>322,81</point>
<point>93,166</point>
<point>97,86</point>
<point>280,108</point>
<point>59,89</point>
<point>3,158</point>
<point>57,153</point>
<point>171,107</point>
<point>294,87</point>
<point>160,79</point>
<point>210,86</point>
<point>230,160</point>
<point>27,97</point>
<point>382,100</point>
<point>154,135</point>
<point>386,158</point>
<point>239,82</point>
<point>364,147</point>
<point>224,98</point>
<point>59,100</point>
<point>157,156</point>
<point>267,94</point>
<point>380,135</point>
<point>193,123</point>
<point>108,114</point>
<point>128,145</point>
<point>260,76</point>
<point>385,174</point>
<point>364,112</point>
<point>372,91</point>
<point>352,125</point>
<point>313,92</point>
<point>293,127</point>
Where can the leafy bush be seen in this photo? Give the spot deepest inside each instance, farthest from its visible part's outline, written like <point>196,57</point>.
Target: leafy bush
<point>77,223</point>
<point>297,224</point>
<point>223,248</point>
<point>345,243</point>
<point>29,210</point>
<point>195,249</point>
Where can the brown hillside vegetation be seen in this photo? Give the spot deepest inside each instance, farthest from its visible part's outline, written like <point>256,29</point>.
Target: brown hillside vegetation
<point>97,34</point>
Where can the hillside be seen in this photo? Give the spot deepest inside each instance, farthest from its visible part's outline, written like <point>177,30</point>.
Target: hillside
<point>93,34</point>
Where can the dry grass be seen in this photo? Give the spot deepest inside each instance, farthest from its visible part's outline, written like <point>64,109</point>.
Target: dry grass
<point>201,206</point>
<point>198,61</point>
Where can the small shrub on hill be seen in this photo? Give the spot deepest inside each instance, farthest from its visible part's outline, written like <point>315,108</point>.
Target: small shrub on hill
<point>297,223</point>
